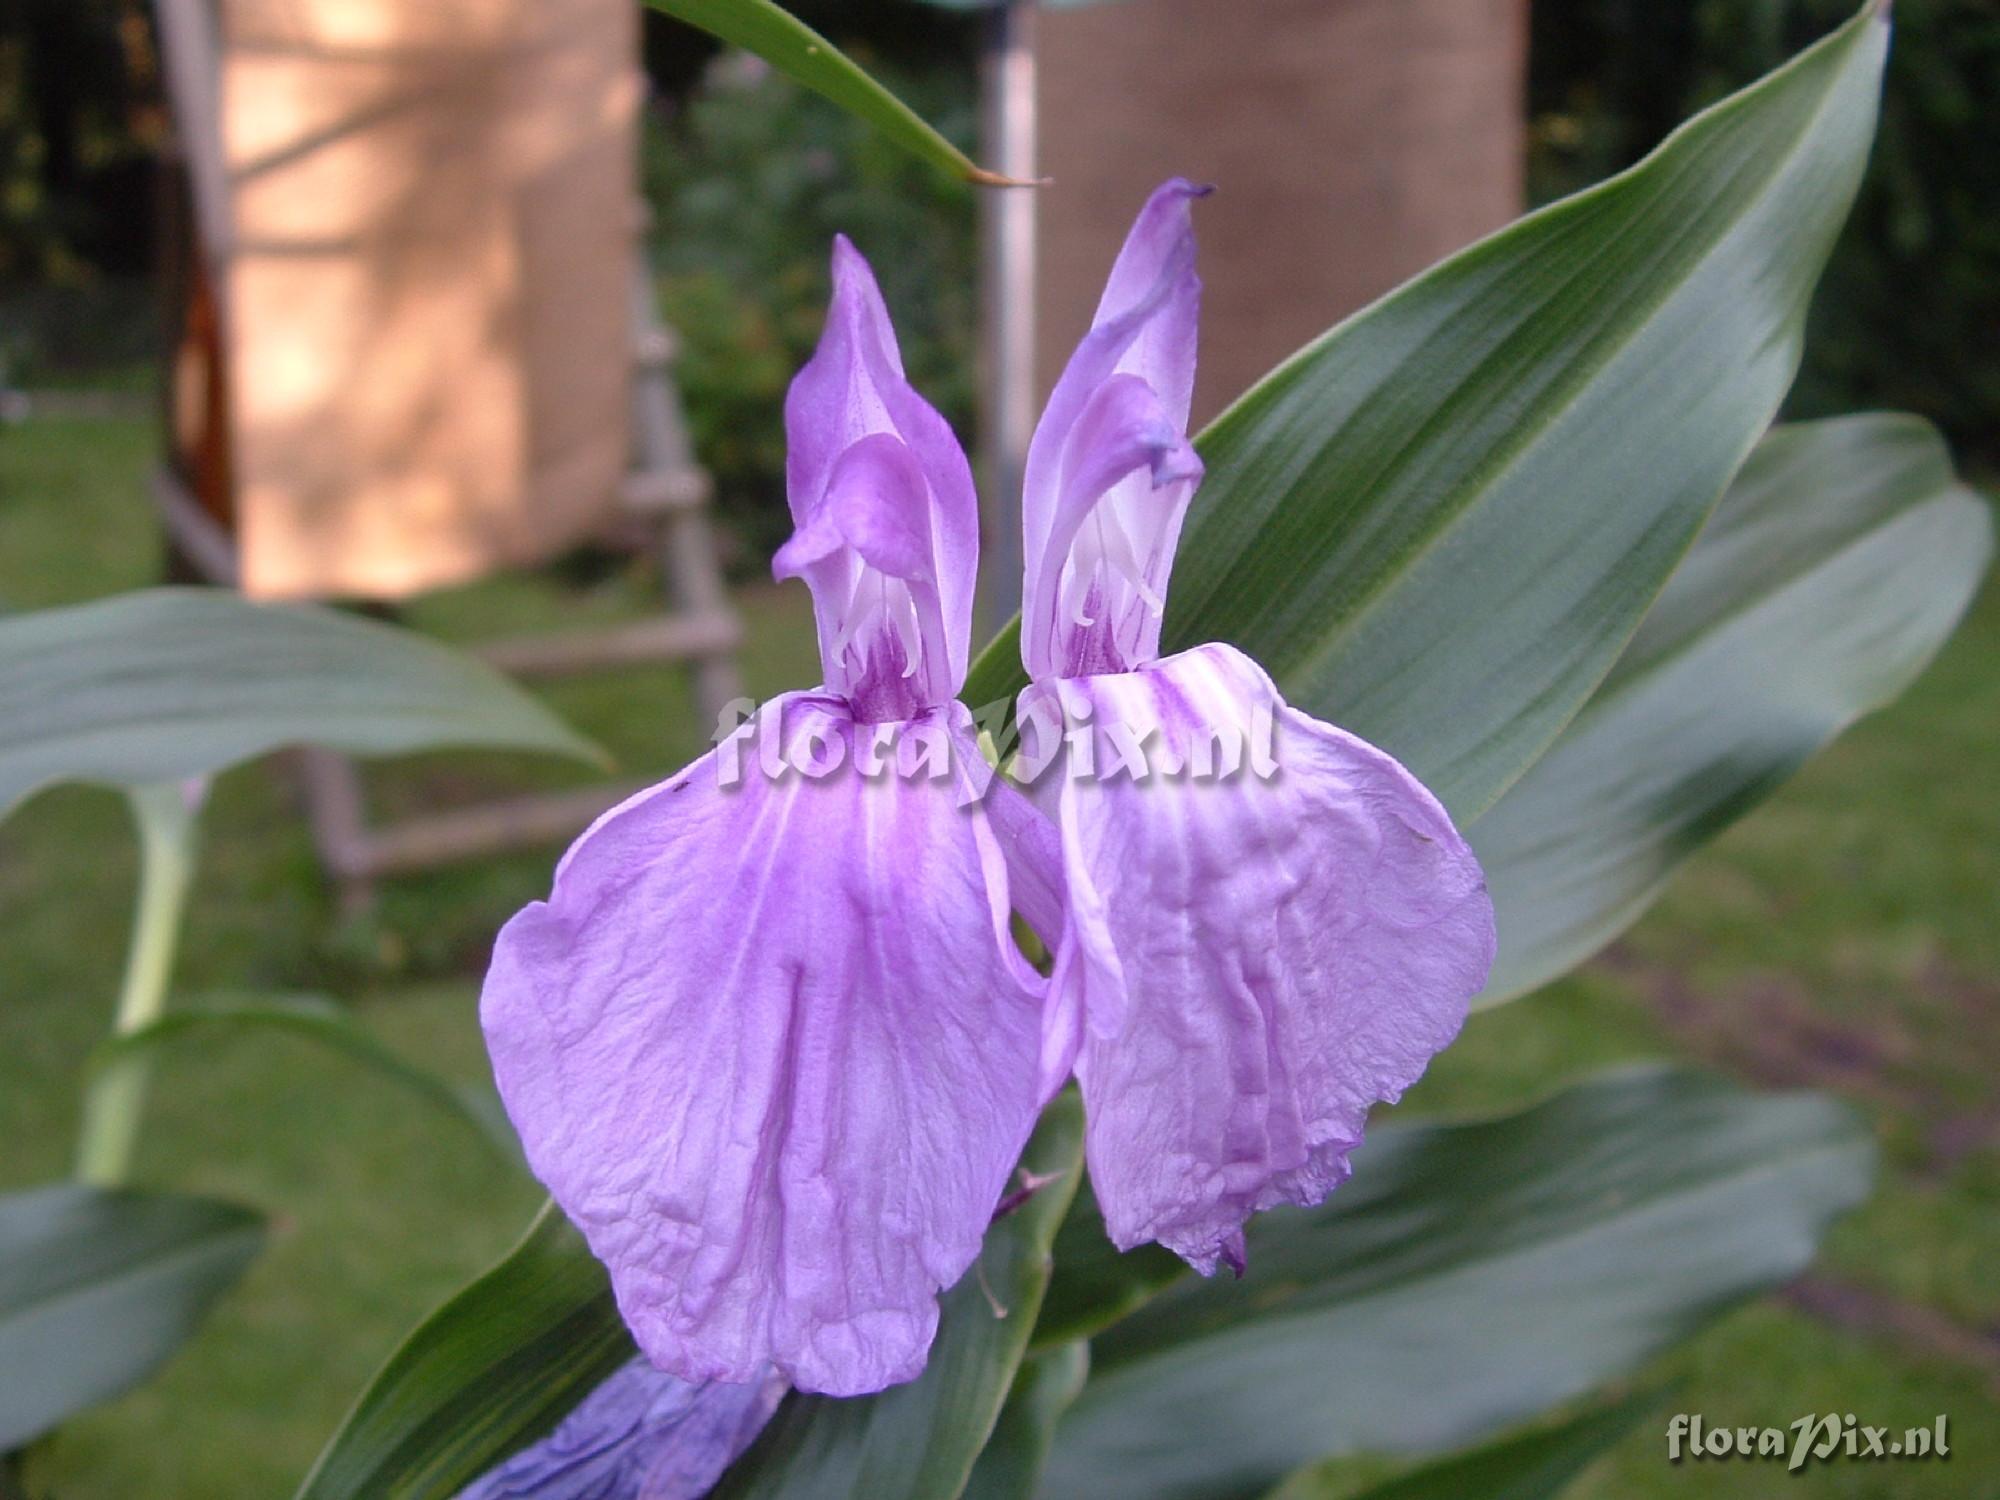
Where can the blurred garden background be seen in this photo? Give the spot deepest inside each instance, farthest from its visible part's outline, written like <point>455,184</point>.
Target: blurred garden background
<point>1843,937</point>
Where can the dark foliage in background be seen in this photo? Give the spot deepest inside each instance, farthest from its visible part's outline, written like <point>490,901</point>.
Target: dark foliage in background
<point>749,178</point>
<point>1908,314</point>
<point>81,127</point>
<point>80,123</point>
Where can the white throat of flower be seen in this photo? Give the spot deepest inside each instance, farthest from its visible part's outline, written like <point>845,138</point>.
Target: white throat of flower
<point>1104,568</point>
<point>876,603</point>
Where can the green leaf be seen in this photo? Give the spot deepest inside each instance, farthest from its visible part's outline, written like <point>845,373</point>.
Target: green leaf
<point>1010,1465</point>
<point>502,1362</point>
<point>486,1374</point>
<point>800,53</point>
<point>1466,1277</point>
<point>316,1019</point>
<point>1095,1283</point>
<point>98,1288</point>
<point>1438,524</point>
<point>170,683</point>
<point>1834,569</point>
<point>1532,1466</point>
<point>919,1441</point>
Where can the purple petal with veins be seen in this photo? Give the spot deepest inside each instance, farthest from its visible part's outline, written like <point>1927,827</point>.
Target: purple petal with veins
<point>772,1049</point>
<point>1251,962</point>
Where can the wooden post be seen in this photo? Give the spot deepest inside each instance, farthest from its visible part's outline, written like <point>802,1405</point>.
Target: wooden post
<point>349,155</point>
<point>1351,143</point>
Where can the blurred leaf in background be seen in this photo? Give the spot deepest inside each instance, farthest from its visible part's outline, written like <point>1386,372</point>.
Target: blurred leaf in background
<point>97,1289</point>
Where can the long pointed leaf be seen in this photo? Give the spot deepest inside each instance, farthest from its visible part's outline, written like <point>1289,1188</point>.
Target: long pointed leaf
<point>1438,524</point>
<point>799,52</point>
<point>171,683</point>
<point>1468,1276</point>
<point>1839,562</point>
<point>1095,1283</point>
<point>1010,1465</point>
<point>489,1372</point>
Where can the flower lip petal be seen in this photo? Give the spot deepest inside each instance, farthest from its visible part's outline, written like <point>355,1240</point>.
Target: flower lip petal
<point>761,1048</point>
<point>1295,947</point>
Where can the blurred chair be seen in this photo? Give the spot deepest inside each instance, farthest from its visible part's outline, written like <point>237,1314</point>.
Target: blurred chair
<point>417,342</point>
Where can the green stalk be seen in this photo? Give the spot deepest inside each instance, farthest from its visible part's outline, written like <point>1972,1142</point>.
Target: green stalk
<point>113,1102</point>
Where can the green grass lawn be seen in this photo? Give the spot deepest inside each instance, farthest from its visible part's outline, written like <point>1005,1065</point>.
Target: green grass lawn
<point>1844,936</point>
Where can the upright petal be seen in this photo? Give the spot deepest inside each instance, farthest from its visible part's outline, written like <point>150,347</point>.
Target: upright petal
<point>1109,471</point>
<point>867,458</point>
<point>1258,954</point>
<point>641,1435</point>
<point>865,552</point>
<point>771,1050</point>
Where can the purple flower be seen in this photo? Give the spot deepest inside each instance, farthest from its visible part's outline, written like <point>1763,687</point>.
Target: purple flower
<point>769,1042</point>
<point>641,1435</point>
<point>770,1045</point>
<point>1250,958</point>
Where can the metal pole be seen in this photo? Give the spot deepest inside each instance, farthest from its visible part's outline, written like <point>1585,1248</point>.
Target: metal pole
<point>191,59</point>
<point>1007,145</point>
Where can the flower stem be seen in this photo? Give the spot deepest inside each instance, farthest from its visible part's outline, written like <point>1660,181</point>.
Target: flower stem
<point>166,817</point>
